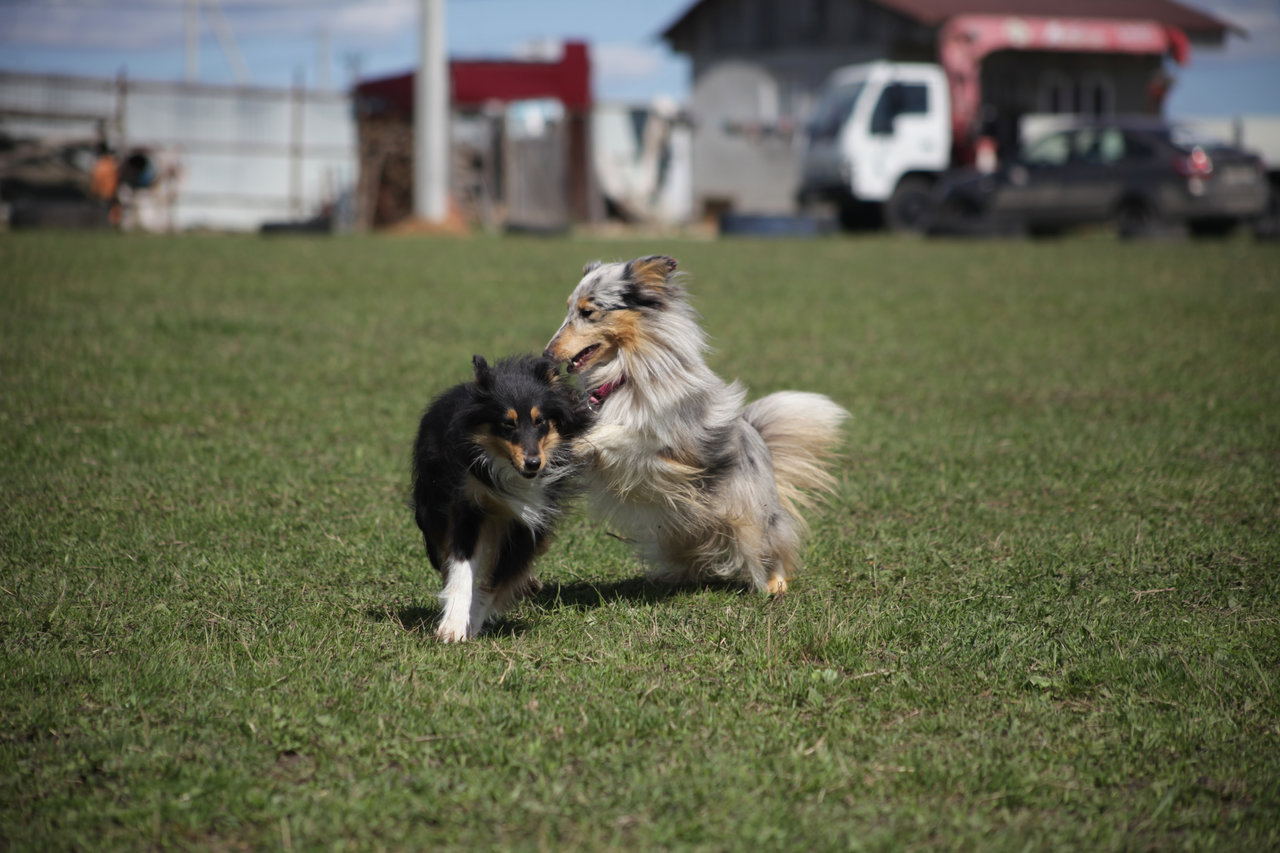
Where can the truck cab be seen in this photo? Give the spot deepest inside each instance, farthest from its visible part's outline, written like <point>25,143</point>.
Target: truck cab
<point>879,138</point>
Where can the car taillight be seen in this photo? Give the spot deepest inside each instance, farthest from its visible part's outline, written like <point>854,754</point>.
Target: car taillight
<point>1194,165</point>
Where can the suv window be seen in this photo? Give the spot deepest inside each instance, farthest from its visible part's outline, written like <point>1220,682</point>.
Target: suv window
<point>1138,148</point>
<point>1111,146</point>
<point>1053,150</point>
<point>1100,146</point>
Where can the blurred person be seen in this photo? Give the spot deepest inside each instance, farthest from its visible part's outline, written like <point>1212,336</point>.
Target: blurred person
<point>104,182</point>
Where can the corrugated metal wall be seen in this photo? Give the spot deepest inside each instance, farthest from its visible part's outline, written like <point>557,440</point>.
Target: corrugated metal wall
<point>243,156</point>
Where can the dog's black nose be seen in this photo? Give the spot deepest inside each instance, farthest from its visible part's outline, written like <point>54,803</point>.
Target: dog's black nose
<point>532,463</point>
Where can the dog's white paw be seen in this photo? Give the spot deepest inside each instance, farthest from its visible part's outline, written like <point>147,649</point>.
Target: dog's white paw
<point>453,631</point>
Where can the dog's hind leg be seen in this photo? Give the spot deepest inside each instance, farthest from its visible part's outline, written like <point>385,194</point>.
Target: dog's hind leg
<point>777,582</point>
<point>482,595</point>
<point>512,577</point>
<point>782,544</point>
<point>765,549</point>
<point>749,552</point>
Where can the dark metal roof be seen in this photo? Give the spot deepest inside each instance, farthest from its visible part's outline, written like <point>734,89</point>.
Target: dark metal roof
<point>935,12</point>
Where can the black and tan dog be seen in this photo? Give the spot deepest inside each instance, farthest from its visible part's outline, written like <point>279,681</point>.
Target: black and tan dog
<point>492,467</point>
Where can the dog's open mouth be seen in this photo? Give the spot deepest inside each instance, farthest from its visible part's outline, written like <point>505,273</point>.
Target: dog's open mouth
<point>576,363</point>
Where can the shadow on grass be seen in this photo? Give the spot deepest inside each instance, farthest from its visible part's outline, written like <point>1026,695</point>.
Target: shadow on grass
<point>577,595</point>
<point>584,594</point>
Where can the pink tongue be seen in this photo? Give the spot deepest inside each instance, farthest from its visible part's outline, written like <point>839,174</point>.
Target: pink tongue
<point>598,395</point>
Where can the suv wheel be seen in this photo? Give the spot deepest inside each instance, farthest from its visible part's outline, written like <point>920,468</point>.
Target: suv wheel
<point>1218,227</point>
<point>1137,218</point>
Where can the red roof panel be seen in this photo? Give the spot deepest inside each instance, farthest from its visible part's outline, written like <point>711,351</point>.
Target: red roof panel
<point>474,82</point>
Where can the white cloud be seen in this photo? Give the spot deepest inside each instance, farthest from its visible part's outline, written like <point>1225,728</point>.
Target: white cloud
<point>610,61</point>
<point>374,20</point>
<point>60,25</point>
<point>99,24</point>
<point>540,50</point>
<point>624,61</point>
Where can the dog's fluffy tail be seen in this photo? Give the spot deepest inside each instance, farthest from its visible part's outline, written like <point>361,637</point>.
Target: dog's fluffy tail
<point>802,431</point>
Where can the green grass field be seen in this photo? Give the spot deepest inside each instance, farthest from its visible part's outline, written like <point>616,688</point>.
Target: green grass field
<point>1042,612</point>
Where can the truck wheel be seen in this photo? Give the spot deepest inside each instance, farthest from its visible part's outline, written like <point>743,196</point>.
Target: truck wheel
<point>908,208</point>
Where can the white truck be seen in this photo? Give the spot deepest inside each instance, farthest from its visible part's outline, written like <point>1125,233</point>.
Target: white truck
<point>884,131</point>
<point>879,138</point>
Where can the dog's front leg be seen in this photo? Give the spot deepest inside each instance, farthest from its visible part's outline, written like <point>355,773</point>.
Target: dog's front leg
<point>462,570</point>
<point>456,597</point>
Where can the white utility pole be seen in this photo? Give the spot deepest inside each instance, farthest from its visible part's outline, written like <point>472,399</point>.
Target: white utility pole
<point>431,118</point>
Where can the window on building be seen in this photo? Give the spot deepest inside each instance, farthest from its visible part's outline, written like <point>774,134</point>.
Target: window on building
<point>1097,96</point>
<point>860,25</point>
<point>768,32</point>
<point>811,20</point>
<point>1057,95</point>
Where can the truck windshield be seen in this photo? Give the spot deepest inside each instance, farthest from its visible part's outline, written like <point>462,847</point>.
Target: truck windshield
<point>832,110</point>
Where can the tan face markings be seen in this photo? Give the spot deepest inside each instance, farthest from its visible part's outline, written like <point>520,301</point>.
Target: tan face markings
<point>499,448</point>
<point>619,329</point>
<point>570,342</point>
<point>545,442</point>
<point>504,442</point>
<point>625,330</point>
<point>548,443</point>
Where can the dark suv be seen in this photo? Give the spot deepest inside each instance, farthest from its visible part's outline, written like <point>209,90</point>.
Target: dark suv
<point>1143,176</point>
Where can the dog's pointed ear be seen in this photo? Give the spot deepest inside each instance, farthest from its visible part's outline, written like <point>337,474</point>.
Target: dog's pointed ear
<point>484,376</point>
<point>548,369</point>
<point>654,271</point>
<point>589,266</point>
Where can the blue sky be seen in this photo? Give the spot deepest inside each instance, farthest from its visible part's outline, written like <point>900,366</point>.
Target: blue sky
<point>279,39</point>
